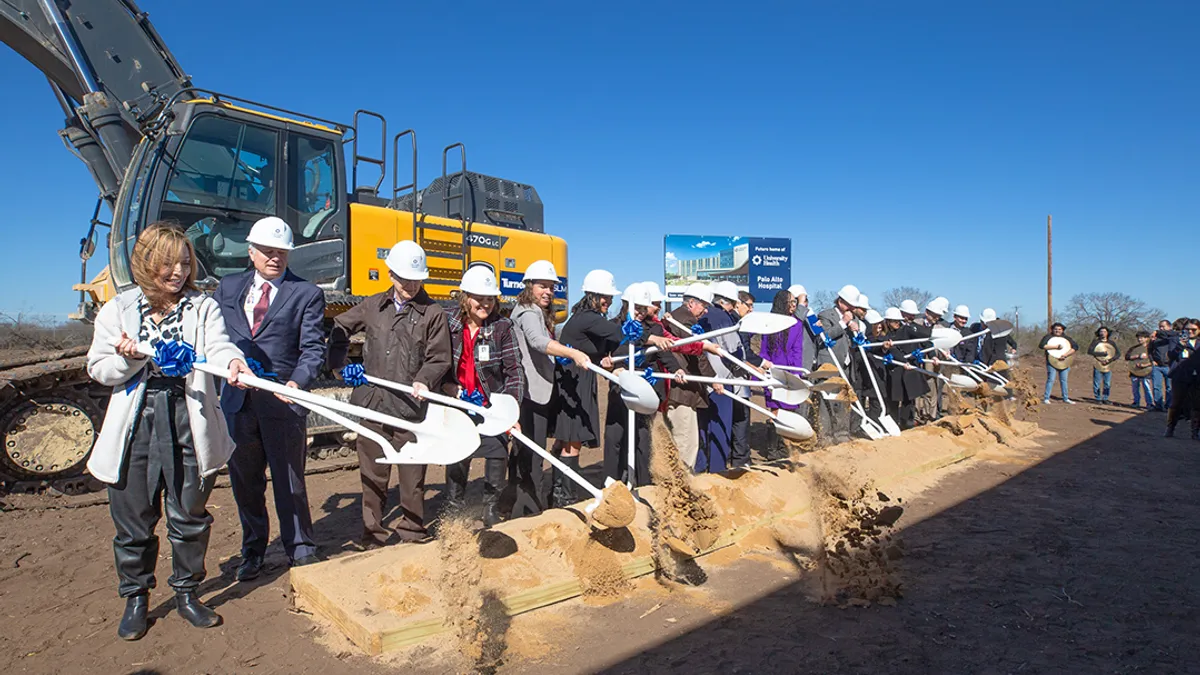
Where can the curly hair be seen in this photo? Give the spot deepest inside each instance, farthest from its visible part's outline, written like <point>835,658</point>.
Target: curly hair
<point>159,246</point>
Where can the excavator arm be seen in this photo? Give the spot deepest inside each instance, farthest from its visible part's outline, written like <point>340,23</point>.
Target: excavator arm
<point>108,68</point>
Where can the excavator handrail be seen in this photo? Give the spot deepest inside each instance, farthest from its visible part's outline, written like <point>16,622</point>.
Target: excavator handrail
<point>197,94</point>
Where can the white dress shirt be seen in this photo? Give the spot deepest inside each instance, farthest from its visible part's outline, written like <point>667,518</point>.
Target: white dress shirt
<point>256,292</point>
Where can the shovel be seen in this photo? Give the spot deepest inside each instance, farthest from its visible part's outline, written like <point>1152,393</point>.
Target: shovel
<point>759,323</point>
<point>868,425</point>
<point>956,380</point>
<point>789,424</point>
<point>598,497</point>
<point>885,420</point>
<point>501,416</point>
<point>943,339</point>
<point>445,436</point>
<point>638,394</point>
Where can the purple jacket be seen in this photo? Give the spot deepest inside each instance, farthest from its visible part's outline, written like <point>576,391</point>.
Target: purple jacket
<point>789,352</point>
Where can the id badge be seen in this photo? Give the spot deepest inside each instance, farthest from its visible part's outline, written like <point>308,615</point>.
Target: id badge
<point>483,353</point>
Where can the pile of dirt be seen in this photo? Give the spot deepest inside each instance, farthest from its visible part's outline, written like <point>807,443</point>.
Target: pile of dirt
<point>476,618</point>
<point>616,508</point>
<point>857,542</point>
<point>685,522</point>
<point>598,568</point>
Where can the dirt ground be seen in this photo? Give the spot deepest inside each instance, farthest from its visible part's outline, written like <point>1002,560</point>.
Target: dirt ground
<point>1077,556</point>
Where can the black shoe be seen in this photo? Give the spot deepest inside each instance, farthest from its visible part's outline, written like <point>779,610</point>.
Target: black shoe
<point>133,621</point>
<point>251,567</point>
<point>493,485</point>
<point>189,607</point>
<point>456,483</point>
<point>1170,432</point>
<point>305,560</point>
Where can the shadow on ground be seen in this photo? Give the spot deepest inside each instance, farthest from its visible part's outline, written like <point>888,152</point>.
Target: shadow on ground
<point>1086,562</point>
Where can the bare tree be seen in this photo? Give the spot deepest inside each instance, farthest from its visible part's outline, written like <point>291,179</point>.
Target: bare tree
<point>821,299</point>
<point>40,333</point>
<point>1122,313</point>
<point>892,297</point>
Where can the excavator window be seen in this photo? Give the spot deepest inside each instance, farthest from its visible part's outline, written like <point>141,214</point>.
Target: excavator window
<point>312,188</point>
<point>225,164</point>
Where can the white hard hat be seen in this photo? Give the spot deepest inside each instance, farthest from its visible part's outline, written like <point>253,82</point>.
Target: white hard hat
<point>938,305</point>
<point>699,291</point>
<point>541,270</point>
<point>271,232</point>
<point>797,290</point>
<point>479,280</point>
<point>987,315</point>
<point>407,261</point>
<point>653,292</point>
<point>893,314</point>
<point>631,288</point>
<point>909,307</point>
<point>639,294</point>
<point>600,282</point>
<point>872,317</point>
<point>963,311</point>
<point>726,289</point>
<point>849,293</point>
<point>863,302</point>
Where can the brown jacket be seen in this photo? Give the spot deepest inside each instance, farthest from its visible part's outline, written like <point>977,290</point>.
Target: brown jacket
<point>692,394</point>
<point>412,345</point>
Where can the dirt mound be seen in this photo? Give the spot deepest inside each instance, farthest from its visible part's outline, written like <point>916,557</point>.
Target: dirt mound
<point>616,508</point>
<point>859,547</point>
<point>598,568</point>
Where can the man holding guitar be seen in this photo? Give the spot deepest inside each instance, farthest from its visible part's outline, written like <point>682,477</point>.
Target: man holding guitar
<point>1060,352</point>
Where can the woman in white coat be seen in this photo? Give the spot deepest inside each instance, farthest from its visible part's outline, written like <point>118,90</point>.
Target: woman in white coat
<point>163,431</point>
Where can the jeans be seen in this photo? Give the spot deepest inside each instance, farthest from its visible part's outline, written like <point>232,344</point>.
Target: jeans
<point>1053,373</point>
<point>1101,383</point>
<point>1141,385</point>
<point>1160,384</point>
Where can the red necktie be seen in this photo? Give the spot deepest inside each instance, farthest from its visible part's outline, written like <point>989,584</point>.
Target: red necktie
<point>260,308</point>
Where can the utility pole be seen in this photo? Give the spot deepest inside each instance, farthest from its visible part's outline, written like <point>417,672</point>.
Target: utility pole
<point>1016,318</point>
<point>1049,272</point>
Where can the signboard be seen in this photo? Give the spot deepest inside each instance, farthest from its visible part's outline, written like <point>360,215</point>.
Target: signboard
<point>760,265</point>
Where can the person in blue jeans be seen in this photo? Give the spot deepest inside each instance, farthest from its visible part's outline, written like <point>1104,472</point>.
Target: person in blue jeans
<point>1056,371</point>
<point>1162,341</point>
<point>1105,351</point>
<point>1140,367</point>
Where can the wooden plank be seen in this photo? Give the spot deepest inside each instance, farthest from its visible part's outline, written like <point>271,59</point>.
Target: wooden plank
<point>311,597</point>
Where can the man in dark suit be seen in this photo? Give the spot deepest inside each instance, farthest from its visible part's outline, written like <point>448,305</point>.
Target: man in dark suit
<point>840,324</point>
<point>275,318</point>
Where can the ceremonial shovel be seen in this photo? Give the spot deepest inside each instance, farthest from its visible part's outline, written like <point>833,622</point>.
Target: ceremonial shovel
<point>885,419</point>
<point>445,436</point>
<point>501,416</point>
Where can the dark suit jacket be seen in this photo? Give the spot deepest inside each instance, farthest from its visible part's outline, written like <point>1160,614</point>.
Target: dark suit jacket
<point>290,342</point>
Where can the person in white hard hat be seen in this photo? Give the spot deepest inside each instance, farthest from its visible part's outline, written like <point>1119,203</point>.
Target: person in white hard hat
<point>578,418</point>
<point>534,320</point>
<point>277,320</point>
<point>992,350</point>
<point>903,386</point>
<point>935,310</point>
<point>407,341</point>
<point>718,419</point>
<point>967,350</point>
<point>641,297</point>
<point>685,400</point>
<point>486,358</point>
<point>908,310</point>
<point>839,323</point>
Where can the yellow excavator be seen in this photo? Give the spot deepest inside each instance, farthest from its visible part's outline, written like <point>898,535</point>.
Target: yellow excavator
<point>160,148</point>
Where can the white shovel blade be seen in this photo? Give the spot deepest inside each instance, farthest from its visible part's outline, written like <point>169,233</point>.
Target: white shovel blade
<point>889,425</point>
<point>792,425</point>
<point>500,417</point>
<point>945,339</point>
<point>869,428</point>
<point>638,394</point>
<point>765,323</point>
<point>788,380</point>
<point>446,436</point>
<point>962,381</point>
<point>790,396</point>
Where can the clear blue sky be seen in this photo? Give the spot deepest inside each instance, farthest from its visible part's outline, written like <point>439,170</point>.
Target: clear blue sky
<point>918,143</point>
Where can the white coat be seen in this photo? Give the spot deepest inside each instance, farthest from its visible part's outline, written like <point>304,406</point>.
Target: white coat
<point>204,328</point>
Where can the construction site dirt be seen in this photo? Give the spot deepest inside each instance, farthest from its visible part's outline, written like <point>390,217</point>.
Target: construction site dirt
<point>1074,553</point>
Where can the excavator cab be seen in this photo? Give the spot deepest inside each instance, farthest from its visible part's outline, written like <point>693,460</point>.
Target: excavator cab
<point>217,169</point>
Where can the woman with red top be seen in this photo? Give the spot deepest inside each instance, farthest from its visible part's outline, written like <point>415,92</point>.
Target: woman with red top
<point>486,361</point>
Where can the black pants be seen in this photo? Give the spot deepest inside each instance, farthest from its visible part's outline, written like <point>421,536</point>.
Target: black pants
<point>277,442</point>
<point>525,466</point>
<point>741,436</point>
<point>904,412</point>
<point>161,457</point>
<point>616,442</point>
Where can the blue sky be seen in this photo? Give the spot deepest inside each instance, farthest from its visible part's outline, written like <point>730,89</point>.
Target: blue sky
<point>917,143</point>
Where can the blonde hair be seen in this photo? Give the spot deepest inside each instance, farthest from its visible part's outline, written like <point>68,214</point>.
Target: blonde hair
<point>158,246</point>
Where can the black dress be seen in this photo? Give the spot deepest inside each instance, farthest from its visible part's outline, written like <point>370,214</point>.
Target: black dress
<point>578,418</point>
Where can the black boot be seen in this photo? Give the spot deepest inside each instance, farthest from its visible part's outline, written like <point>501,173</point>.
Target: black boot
<point>1170,432</point>
<point>493,485</point>
<point>563,490</point>
<point>189,607</point>
<point>456,483</point>
<point>133,621</point>
<point>1195,429</point>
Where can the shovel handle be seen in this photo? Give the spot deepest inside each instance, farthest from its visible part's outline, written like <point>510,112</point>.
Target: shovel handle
<point>389,451</point>
<point>556,463</point>
<point>431,395</point>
